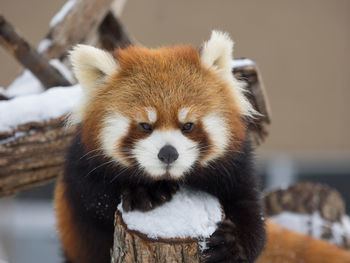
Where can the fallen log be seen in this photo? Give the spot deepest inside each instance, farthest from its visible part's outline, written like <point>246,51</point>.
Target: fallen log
<point>19,48</point>
<point>35,157</point>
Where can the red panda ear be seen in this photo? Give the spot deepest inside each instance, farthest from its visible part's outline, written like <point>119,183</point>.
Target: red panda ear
<point>217,52</point>
<point>92,66</point>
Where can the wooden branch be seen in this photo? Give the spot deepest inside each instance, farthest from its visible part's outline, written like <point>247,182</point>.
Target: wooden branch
<point>29,57</point>
<point>257,97</point>
<point>112,34</point>
<point>134,247</point>
<point>79,25</point>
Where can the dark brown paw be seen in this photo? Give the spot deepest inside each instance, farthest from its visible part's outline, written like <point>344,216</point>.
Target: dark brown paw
<point>223,246</point>
<point>145,198</point>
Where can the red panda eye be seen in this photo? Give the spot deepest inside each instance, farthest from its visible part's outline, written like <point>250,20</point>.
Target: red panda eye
<point>187,128</point>
<point>146,127</point>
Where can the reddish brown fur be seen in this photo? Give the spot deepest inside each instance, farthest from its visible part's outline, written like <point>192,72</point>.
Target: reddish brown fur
<point>284,246</point>
<point>77,237</point>
<point>165,79</point>
<point>68,229</point>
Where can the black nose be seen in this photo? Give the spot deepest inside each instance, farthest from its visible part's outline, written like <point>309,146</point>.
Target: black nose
<point>168,154</point>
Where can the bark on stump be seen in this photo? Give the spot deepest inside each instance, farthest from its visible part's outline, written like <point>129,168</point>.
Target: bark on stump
<point>134,247</point>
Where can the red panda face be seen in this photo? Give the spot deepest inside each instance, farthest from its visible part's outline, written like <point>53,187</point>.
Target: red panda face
<point>163,111</point>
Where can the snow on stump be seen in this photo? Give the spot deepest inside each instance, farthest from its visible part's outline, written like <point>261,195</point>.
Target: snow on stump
<point>173,232</point>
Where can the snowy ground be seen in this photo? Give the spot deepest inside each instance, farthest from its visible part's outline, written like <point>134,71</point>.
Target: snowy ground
<point>27,232</point>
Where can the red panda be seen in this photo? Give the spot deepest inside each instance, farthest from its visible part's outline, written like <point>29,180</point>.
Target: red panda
<point>285,246</point>
<point>152,120</point>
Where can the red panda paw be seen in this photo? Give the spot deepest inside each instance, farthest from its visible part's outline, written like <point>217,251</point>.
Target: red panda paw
<point>223,246</point>
<point>147,197</point>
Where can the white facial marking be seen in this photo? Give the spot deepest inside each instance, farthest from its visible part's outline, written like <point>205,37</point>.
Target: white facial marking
<point>218,132</point>
<point>183,114</point>
<point>115,127</point>
<point>146,153</point>
<point>152,115</point>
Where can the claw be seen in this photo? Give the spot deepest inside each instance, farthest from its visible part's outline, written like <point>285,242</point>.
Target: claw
<point>146,198</point>
<point>223,245</point>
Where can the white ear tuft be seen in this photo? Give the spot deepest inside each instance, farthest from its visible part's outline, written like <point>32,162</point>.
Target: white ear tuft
<point>217,51</point>
<point>217,55</point>
<point>92,66</point>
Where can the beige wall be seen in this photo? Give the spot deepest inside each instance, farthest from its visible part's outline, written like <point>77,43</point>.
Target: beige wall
<point>301,46</point>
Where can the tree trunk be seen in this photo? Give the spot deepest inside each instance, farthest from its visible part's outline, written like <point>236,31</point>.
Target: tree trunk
<point>134,247</point>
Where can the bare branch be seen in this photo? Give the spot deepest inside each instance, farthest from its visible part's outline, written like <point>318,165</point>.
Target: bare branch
<point>20,49</point>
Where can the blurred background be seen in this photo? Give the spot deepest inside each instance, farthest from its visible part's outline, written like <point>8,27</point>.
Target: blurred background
<point>303,51</point>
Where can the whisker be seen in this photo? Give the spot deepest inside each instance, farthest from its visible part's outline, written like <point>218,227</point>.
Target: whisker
<point>89,153</point>
<point>105,163</point>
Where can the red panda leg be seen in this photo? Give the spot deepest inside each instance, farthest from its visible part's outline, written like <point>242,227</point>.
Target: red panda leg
<point>81,242</point>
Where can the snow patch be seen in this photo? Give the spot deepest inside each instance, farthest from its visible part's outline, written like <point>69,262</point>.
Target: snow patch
<point>189,214</point>
<point>236,63</point>
<point>44,45</point>
<point>62,13</point>
<point>313,225</point>
<point>25,84</point>
<point>50,104</point>
<point>14,137</point>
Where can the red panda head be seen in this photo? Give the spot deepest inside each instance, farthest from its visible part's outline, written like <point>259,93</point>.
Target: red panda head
<point>161,110</point>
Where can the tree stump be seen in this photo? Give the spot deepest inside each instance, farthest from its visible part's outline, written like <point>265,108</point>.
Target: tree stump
<point>173,232</point>
<point>134,247</point>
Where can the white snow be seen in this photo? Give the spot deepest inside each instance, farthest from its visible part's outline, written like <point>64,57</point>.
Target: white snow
<point>25,84</point>
<point>50,104</point>
<point>62,13</point>
<point>189,214</point>
<point>313,224</point>
<point>14,137</point>
<point>236,63</point>
<point>44,44</point>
